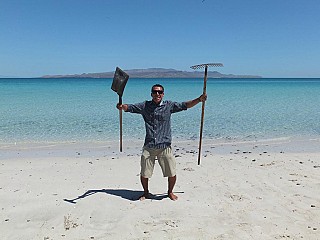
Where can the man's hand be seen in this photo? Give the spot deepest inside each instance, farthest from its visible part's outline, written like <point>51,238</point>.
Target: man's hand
<point>119,106</point>
<point>203,98</point>
<point>123,107</point>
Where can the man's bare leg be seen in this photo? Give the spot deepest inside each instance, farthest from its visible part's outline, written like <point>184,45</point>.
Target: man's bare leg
<point>144,183</point>
<point>171,183</point>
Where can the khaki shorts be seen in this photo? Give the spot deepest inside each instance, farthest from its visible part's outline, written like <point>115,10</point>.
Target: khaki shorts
<point>165,158</point>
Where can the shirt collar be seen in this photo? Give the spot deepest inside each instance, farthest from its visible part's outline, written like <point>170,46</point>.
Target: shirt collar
<point>160,104</point>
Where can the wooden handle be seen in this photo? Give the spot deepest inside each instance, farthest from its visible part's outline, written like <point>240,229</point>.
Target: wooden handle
<point>120,121</point>
<point>202,113</point>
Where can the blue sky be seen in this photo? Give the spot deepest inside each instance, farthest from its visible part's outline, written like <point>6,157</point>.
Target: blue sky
<point>270,38</point>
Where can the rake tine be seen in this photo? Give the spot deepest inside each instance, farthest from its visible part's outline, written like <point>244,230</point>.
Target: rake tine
<point>207,65</point>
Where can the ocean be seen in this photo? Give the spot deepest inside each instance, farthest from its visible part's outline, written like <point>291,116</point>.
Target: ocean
<point>83,110</point>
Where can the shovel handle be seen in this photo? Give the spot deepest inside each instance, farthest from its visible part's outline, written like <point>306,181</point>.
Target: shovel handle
<point>120,120</point>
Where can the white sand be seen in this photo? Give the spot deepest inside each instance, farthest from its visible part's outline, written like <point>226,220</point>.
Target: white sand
<point>250,190</point>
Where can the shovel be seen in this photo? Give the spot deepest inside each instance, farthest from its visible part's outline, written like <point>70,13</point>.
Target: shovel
<point>118,84</point>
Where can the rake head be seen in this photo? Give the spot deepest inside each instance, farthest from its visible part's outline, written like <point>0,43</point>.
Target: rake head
<point>207,65</point>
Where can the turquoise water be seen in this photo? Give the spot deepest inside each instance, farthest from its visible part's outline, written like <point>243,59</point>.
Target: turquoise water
<point>46,110</point>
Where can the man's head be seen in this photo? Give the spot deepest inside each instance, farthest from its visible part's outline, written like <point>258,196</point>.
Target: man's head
<point>157,93</point>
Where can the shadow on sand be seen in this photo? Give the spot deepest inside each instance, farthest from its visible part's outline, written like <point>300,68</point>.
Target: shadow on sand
<point>130,195</point>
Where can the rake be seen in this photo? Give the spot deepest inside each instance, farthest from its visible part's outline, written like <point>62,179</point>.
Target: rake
<point>205,66</point>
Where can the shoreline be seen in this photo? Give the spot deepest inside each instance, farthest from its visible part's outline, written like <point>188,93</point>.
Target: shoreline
<point>292,144</point>
<point>262,189</point>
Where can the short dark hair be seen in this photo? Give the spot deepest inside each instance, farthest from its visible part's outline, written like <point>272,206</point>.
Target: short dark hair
<point>157,85</point>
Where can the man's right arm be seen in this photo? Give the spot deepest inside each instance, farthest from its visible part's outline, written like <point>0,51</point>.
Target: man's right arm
<point>132,108</point>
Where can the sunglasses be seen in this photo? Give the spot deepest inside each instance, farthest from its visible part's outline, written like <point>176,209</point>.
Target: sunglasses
<point>157,91</point>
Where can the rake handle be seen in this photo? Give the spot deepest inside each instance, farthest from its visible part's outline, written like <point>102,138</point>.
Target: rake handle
<point>202,113</point>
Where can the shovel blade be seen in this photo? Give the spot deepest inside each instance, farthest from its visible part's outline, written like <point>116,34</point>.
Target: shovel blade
<point>119,82</point>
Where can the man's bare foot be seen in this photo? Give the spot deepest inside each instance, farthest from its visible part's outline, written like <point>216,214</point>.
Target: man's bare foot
<point>172,196</point>
<point>144,196</point>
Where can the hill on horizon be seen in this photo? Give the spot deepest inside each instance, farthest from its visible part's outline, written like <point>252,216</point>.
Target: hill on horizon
<point>154,73</point>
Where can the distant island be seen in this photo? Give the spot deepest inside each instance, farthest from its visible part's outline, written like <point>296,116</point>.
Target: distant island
<point>154,73</point>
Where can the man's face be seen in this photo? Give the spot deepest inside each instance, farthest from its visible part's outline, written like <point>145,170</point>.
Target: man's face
<point>157,94</point>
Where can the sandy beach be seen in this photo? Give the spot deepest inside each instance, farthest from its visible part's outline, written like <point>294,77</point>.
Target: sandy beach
<point>266,189</point>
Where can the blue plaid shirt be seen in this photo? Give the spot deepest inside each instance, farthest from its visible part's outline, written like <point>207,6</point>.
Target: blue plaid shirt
<point>157,120</point>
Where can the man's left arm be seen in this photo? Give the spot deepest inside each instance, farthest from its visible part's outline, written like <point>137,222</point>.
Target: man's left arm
<point>197,100</point>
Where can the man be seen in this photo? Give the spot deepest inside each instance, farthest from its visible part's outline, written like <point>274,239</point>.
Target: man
<point>156,114</point>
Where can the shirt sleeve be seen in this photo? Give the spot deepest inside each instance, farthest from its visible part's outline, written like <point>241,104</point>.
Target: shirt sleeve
<point>178,106</point>
<point>136,108</point>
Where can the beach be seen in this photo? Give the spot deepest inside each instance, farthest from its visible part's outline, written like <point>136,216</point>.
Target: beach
<point>259,189</point>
